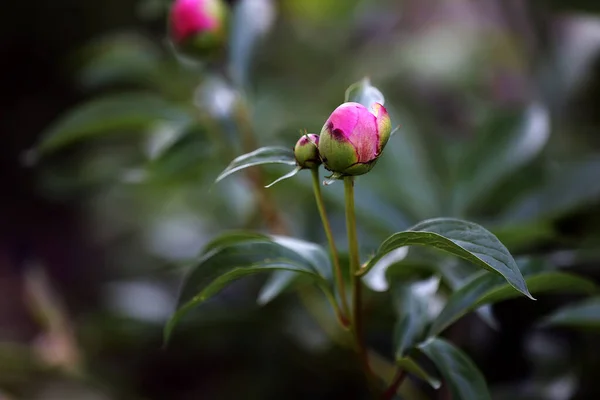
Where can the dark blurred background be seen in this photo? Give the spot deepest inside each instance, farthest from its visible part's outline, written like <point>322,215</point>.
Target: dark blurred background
<point>498,102</point>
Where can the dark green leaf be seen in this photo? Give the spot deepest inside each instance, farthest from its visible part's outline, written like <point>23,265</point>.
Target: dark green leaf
<point>411,303</point>
<point>264,155</point>
<point>411,366</point>
<point>463,239</point>
<point>584,315</point>
<point>462,376</point>
<point>570,185</point>
<point>498,154</point>
<point>110,114</point>
<point>407,158</point>
<point>489,289</point>
<point>223,265</point>
<point>457,274</point>
<point>122,58</point>
<point>234,237</point>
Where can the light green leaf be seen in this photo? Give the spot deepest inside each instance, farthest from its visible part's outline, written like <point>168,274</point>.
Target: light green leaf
<point>462,376</point>
<point>584,315</point>
<point>281,280</point>
<point>460,238</point>
<point>278,282</point>
<point>489,289</point>
<point>109,114</point>
<point>314,253</point>
<point>221,266</point>
<point>411,366</point>
<point>286,176</point>
<point>311,252</point>
<point>364,93</point>
<point>264,155</point>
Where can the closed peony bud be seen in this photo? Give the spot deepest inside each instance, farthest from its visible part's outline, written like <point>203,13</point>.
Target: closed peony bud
<point>353,138</point>
<point>306,151</point>
<point>197,27</point>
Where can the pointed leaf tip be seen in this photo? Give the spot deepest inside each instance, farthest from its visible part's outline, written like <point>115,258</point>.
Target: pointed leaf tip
<point>284,177</point>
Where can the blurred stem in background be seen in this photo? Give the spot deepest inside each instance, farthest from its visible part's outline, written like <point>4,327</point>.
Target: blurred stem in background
<point>57,345</point>
<point>269,209</point>
<point>393,388</point>
<point>334,253</point>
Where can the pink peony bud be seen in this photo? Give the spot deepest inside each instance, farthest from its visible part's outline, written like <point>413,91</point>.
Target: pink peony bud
<point>306,151</point>
<point>353,138</point>
<point>197,27</point>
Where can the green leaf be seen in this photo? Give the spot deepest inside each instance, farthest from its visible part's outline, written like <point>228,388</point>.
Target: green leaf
<point>411,302</point>
<point>221,266</point>
<point>489,289</point>
<point>286,176</point>
<point>281,280</point>
<point>460,238</point>
<point>456,274</point>
<point>122,58</point>
<point>231,238</point>
<point>584,315</point>
<point>411,366</point>
<point>462,376</point>
<point>278,282</point>
<point>498,154</point>
<point>312,252</point>
<point>109,114</point>
<point>569,185</point>
<point>264,155</point>
<point>364,93</point>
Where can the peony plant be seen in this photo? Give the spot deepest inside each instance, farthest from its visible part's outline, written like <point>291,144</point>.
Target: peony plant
<point>350,143</point>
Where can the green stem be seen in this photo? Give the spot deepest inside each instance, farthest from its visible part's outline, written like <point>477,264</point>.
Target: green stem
<point>393,388</point>
<point>345,314</point>
<point>338,313</point>
<point>357,329</point>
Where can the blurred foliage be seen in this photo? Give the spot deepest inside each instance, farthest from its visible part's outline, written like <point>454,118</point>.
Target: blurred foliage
<point>496,103</point>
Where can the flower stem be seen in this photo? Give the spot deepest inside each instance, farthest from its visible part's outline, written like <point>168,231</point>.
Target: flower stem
<point>355,280</point>
<point>345,311</point>
<point>393,388</point>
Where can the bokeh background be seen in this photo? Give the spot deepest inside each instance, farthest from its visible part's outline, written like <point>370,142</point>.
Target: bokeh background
<point>110,143</point>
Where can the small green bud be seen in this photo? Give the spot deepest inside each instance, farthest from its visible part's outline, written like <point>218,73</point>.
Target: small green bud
<point>306,151</point>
